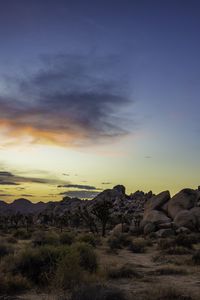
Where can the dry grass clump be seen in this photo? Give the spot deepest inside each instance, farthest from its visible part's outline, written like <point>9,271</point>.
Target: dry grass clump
<point>10,284</point>
<point>67,238</point>
<point>138,245</point>
<point>22,234</point>
<point>169,270</point>
<point>89,238</point>
<point>119,241</point>
<point>126,271</point>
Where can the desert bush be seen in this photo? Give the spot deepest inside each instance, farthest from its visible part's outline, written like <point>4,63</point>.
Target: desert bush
<point>196,257</point>
<point>45,238</point>
<point>39,264</point>
<point>126,271</point>
<point>5,249</point>
<point>69,272</point>
<point>67,238</point>
<point>13,284</point>
<point>97,292</point>
<point>184,240</point>
<point>89,239</point>
<point>22,234</point>
<point>138,245</point>
<point>87,256</point>
<point>119,241</point>
<point>164,244</point>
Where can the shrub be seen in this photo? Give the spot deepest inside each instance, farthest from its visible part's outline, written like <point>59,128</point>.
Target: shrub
<point>125,271</point>
<point>87,256</point>
<point>38,265</point>
<point>13,284</point>
<point>119,241</point>
<point>67,238</point>
<point>138,246</point>
<point>98,292</point>
<point>164,244</point>
<point>184,240</point>
<point>196,257</point>
<point>5,249</point>
<point>22,234</point>
<point>89,239</point>
<point>45,238</point>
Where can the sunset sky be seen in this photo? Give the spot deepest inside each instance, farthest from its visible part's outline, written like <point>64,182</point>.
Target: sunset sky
<point>98,93</point>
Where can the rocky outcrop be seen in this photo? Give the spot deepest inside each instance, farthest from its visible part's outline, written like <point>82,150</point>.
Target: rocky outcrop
<point>180,211</point>
<point>185,199</point>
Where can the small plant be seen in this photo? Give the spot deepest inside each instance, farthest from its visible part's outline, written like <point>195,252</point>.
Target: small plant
<point>177,250</point>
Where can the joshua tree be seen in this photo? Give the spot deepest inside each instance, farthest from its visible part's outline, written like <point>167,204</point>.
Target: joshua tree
<point>102,211</point>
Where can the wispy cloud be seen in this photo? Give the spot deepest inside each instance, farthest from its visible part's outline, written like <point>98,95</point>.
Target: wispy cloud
<point>8,178</point>
<point>70,100</point>
<point>79,186</point>
<point>80,194</point>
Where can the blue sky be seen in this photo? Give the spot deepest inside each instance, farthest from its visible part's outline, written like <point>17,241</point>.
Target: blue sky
<point>98,86</point>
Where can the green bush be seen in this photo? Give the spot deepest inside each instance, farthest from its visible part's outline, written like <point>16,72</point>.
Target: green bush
<point>67,238</point>
<point>87,256</point>
<point>177,250</point>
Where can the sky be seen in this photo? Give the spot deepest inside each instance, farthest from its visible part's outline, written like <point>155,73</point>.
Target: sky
<point>98,93</point>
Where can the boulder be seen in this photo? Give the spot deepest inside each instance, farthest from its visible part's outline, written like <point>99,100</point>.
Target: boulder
<point>195,211</point>
<point>119,228</point>
<point>156,217</point>
<point>157,202</point>
<point>185,218</point>
<point>184,200</point>
<point>149,228</point>
<point>163,233</point>
<point>183,230</point>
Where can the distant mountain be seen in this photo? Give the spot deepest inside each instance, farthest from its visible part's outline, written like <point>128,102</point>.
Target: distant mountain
<point>21,205</point>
